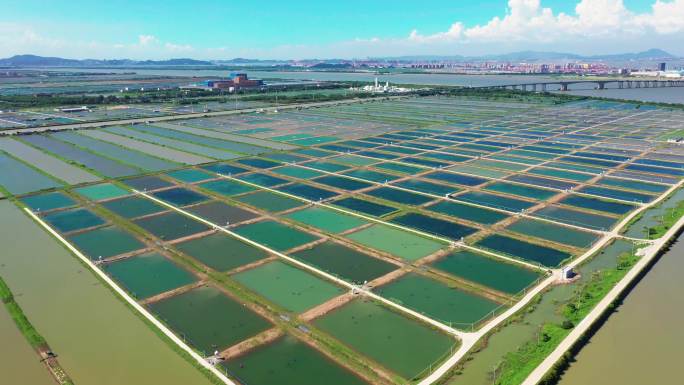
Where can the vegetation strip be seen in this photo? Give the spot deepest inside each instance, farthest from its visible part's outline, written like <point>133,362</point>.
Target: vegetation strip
<point>32,336</point>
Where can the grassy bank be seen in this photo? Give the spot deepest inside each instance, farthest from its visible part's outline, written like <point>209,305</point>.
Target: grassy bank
<point>30,333</point>
<point>516,366</point>
<point>667,220</point>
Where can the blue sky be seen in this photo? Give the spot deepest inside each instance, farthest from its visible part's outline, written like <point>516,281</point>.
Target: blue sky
<point>298,29</point>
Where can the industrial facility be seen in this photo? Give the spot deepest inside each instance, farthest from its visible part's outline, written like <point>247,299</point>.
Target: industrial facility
<point>235,81</point>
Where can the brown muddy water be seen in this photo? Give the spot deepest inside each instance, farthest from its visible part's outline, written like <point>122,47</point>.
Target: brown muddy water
<point>643,342</point>
<point>97,338</point>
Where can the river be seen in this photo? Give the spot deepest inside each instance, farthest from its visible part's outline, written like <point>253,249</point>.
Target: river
<point>643,341</point>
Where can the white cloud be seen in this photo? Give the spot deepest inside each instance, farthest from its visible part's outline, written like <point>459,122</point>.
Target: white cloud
<point>21,39</point>
<point>145,40</point>
<point>528,20</point>
<point>594,26</point>
<point>178,47</point>
<point>452,34</point>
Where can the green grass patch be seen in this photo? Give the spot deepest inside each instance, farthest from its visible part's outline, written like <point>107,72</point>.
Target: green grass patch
<point>516,366</point>
<point>25,327</point>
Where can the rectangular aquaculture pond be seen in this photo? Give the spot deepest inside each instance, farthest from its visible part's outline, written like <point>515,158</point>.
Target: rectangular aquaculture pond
<point>288,361</point>
<point>105,242</point>
<point>435,226</point>
<point>226,187</point>
<point>520,190</point>
<point>208,319</point>
<point>427,187</point>
<point>553,232</point>
<point>399,196</point>
<point>275,235</point>
<point>346,263</point>
<point>597,204</point>
<point>326,219</point>
<point>221,252</point>
<point>576,218</point>
<point>102,191</point>
<point>48,201</point>
<point>148,274</point>
<point>72,220</point>
<point>287,286</point>
<point>439,301</point>
<point>468,212</point>
<point>342,182</point>
<point>502,276</point>
<point>400,243</point>
<point>170,226</point>
<point>400,344</point>
<point>222,214</point>
<point>364,206</point>
<point>133,206</point>
<point>190,175</point>
<point>269,201</point>
<point>18,178</point>
<point>307,192</point>
<point>100,164</point>
<point>545,256</point>
<point>147,183</point>
<point>296,172</point>
<point>494,201</point>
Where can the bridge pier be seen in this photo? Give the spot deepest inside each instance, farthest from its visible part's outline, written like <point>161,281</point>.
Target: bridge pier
<point>543,87</point>
<point>621,85</point>
<point>524,87</point>
<point>564,86</point>
<point>601,85</point>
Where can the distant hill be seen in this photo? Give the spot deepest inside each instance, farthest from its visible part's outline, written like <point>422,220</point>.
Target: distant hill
<point>42,61</point>
<point>651,54</point>
<point>323,64</point>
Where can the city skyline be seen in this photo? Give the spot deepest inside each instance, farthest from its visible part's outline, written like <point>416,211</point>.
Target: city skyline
<point>352,30</point>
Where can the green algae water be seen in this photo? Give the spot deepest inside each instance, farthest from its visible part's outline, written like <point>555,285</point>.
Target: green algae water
<point>486,271</point>
<point>148,274</point>
<point>437,300</point>
<point>401,344</point>
<point>344,262</point>
<point>208,319</point>
<point>288,286</point>
<point>288,361</point>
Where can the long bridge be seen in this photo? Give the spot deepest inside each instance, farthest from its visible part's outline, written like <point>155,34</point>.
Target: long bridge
<point>600,84</point>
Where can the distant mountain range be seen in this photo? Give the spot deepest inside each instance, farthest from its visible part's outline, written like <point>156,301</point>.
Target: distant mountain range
<point>42,61</point>
<point>524,56</point>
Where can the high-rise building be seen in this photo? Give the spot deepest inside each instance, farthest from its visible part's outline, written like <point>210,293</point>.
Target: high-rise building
<point>662,67</point>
